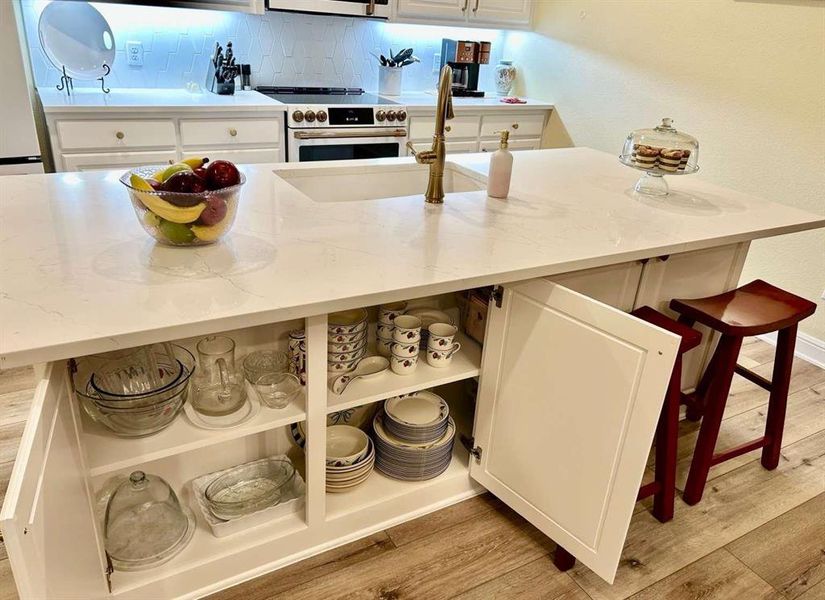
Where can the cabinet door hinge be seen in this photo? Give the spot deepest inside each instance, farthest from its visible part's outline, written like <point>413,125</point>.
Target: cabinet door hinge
<point>498,295</point>
<point>109,570</point>
<point>469,444</point>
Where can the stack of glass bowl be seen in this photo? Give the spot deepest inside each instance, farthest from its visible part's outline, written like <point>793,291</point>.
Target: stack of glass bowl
<point>134,392</point>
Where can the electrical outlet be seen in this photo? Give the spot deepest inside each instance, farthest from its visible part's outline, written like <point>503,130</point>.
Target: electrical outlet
<point>436,62</point>
<point>134,54</point>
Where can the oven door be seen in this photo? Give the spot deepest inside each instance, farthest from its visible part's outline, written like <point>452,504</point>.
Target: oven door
<point>354,8</point>
<point>307,145</point>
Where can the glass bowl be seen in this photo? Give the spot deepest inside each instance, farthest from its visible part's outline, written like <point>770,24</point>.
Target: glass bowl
<point>277,390</point>
<point>262,362</point>
<point>180,219</point>
<point>249,488</point>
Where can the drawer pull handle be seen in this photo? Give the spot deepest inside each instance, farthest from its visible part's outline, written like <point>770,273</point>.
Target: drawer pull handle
<point>448,129</point>
<point>233,132</point>
<point>515,125</point>
<point>120,135</point>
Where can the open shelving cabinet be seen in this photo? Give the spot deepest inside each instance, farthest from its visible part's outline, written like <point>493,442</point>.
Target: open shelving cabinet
<point>560,445</point>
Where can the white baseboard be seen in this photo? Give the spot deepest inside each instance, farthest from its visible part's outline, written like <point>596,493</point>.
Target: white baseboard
<point>807,348</point>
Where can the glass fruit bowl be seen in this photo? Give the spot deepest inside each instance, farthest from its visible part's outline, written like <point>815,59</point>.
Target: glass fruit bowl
<point>183,219</point>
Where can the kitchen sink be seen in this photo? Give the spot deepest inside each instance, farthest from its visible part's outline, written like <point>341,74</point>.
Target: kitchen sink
<point>354,182</point>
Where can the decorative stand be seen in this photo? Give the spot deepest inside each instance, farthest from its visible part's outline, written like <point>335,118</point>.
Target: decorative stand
<point>67,83</point>
<point>652,182</point>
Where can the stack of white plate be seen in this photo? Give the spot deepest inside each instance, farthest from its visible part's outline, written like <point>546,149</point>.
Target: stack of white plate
<point>350,458</point>
<point>417,418</point>
<point>416,442</point>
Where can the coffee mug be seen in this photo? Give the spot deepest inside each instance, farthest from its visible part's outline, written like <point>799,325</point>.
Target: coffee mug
<point>388,312</point>
<point>442,358</point>
<point>403,365</point>
<point>407,329</point>
<point>385,331</point>
<point>384,347</point>
<point>403,349</point>
<point>441,336</point>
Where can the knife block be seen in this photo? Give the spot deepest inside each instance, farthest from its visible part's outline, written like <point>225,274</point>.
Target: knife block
<point>222,88</point>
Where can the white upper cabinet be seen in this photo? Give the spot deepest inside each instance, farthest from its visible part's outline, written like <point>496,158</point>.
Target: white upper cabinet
<point>570,393</point>
<point>501,12</point>
<point>484,13</point>
<point>47,519</point>
<point>443,10</point>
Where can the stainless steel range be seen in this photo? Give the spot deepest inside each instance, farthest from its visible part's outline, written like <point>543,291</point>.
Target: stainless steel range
<point>340,123</point>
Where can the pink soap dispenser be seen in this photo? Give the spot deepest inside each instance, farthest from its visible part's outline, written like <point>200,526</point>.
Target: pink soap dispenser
<point>501,168</point>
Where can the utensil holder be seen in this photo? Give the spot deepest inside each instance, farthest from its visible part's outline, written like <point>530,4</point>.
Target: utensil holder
<point>389,81</point>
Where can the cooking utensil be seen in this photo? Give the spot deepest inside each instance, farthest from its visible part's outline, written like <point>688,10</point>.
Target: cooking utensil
<point>367,367</point>
<point>249,487</point>
<point>219,390</point>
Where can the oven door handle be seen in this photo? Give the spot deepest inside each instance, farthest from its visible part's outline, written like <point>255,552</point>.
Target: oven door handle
<point>333,134</point>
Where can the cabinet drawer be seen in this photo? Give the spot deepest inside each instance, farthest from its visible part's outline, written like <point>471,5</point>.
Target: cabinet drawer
<point>520,125</point>
<point>115,134</point>
<point>241,157</point>
<point>231,131</point>
<point>422,128</point>
<point>451,147</point>
<point>111,160</point>
<point>524,144</point>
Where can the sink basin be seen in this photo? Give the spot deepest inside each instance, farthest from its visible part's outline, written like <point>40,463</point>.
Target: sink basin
<point>373,182</point>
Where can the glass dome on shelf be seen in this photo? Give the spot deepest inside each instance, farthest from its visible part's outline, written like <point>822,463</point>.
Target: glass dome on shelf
<point>658,152</point>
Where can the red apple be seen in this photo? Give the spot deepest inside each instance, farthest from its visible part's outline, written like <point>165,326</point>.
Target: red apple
<point>156,185</point>
<point>200,172</point>
<point>214,212</point>
<point>221,174</point>
<point>186,185</point>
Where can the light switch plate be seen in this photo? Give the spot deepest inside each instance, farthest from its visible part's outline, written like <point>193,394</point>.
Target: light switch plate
<point>436,62</point>
<point>134,54</point>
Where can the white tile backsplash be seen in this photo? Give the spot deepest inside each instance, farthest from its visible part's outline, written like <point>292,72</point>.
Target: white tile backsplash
<point>282,48</point>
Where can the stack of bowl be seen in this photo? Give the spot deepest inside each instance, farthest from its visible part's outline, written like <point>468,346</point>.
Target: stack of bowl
<point>350,458</point>
<point>414,437</point>
<point>346,339</point>
<point>135,392</point>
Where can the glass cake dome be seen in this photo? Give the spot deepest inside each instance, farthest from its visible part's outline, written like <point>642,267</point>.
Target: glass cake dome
<point>658,152</point>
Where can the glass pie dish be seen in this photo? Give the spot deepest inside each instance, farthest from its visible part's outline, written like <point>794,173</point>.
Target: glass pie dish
<point>658,152</point>
<point>248,488</point>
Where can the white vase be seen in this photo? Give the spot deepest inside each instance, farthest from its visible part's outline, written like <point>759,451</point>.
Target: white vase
<point>505,76</point>
<point>389,81</point>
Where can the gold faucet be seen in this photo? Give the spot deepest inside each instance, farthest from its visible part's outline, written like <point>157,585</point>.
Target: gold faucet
<point>436,155</point>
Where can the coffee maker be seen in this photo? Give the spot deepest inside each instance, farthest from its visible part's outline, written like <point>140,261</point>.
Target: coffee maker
<point>465,57</point>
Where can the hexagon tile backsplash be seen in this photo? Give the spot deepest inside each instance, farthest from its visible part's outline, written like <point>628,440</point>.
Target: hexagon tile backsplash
<point>282,48</point>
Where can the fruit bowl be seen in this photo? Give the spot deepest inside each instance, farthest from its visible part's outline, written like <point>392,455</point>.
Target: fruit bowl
<point>181,218</point>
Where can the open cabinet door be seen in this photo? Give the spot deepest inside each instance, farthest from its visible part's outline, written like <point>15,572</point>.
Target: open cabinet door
<point>47,519</point>
<point>570,393</point>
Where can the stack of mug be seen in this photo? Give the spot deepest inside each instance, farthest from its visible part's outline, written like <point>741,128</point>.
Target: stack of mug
<point>386,315</point>
<point>406,337</point>
<point>441,344</point>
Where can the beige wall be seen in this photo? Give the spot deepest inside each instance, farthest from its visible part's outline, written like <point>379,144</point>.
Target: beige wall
<point>746,77</point>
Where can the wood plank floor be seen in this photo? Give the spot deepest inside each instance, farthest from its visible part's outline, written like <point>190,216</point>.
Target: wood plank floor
<point>756,534</point>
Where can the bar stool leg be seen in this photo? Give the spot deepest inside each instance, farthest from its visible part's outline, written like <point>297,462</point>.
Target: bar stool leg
<point>780,382</point>
<point>716,398</point>
<point>667,436</point>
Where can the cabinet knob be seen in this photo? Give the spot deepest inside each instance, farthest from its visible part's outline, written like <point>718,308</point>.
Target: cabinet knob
<point>448,129</point>
<point>120,135</point>
<point>515,125</point>
<point>233,132</point>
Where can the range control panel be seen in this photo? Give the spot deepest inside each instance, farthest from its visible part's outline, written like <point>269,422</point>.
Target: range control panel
<point>315,116</point>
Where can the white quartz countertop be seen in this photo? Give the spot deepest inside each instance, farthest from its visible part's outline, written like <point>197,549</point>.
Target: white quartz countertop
<point>92,100</point>
<point>421,100</point>
<point>79,275</point>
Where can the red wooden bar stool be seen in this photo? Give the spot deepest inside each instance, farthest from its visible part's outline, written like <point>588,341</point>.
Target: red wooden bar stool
<point>663,487</point>
<point>753,309</point>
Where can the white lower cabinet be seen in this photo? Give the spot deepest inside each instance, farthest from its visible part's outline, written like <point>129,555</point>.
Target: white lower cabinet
<point>569,393</point>
<point>451,147</point>
<point>91,161</point>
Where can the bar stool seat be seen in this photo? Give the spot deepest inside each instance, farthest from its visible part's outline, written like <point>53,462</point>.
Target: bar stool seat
<point>663,487</point>
<point>752,309</point>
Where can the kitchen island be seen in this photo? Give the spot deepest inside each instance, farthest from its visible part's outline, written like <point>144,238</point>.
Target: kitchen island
<point>571,251</point>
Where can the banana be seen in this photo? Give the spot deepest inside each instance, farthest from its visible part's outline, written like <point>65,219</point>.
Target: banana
<point>162,208</point>
<point>195,162</point>
<point>166,172</point>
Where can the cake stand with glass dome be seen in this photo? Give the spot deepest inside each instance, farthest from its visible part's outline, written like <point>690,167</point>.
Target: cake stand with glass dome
<point>658,152</point>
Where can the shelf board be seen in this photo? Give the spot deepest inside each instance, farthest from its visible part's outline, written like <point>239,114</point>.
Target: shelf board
<point>466,364</point>
<point>380,489</point>
<point>108,453</point>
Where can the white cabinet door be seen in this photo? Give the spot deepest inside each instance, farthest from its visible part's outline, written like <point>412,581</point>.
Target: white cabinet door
<point>249,156</point>
<point>449,10</point>
<point>47,518</point>
<point>569,396</point>
<point>691,275</point>
<point>513,145</point>
<point>247,6</point>
<point>93,161</point>
<point>203,132</point>
<point>614,285</point>
<point>451,147</point>
<point>501,12</point>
